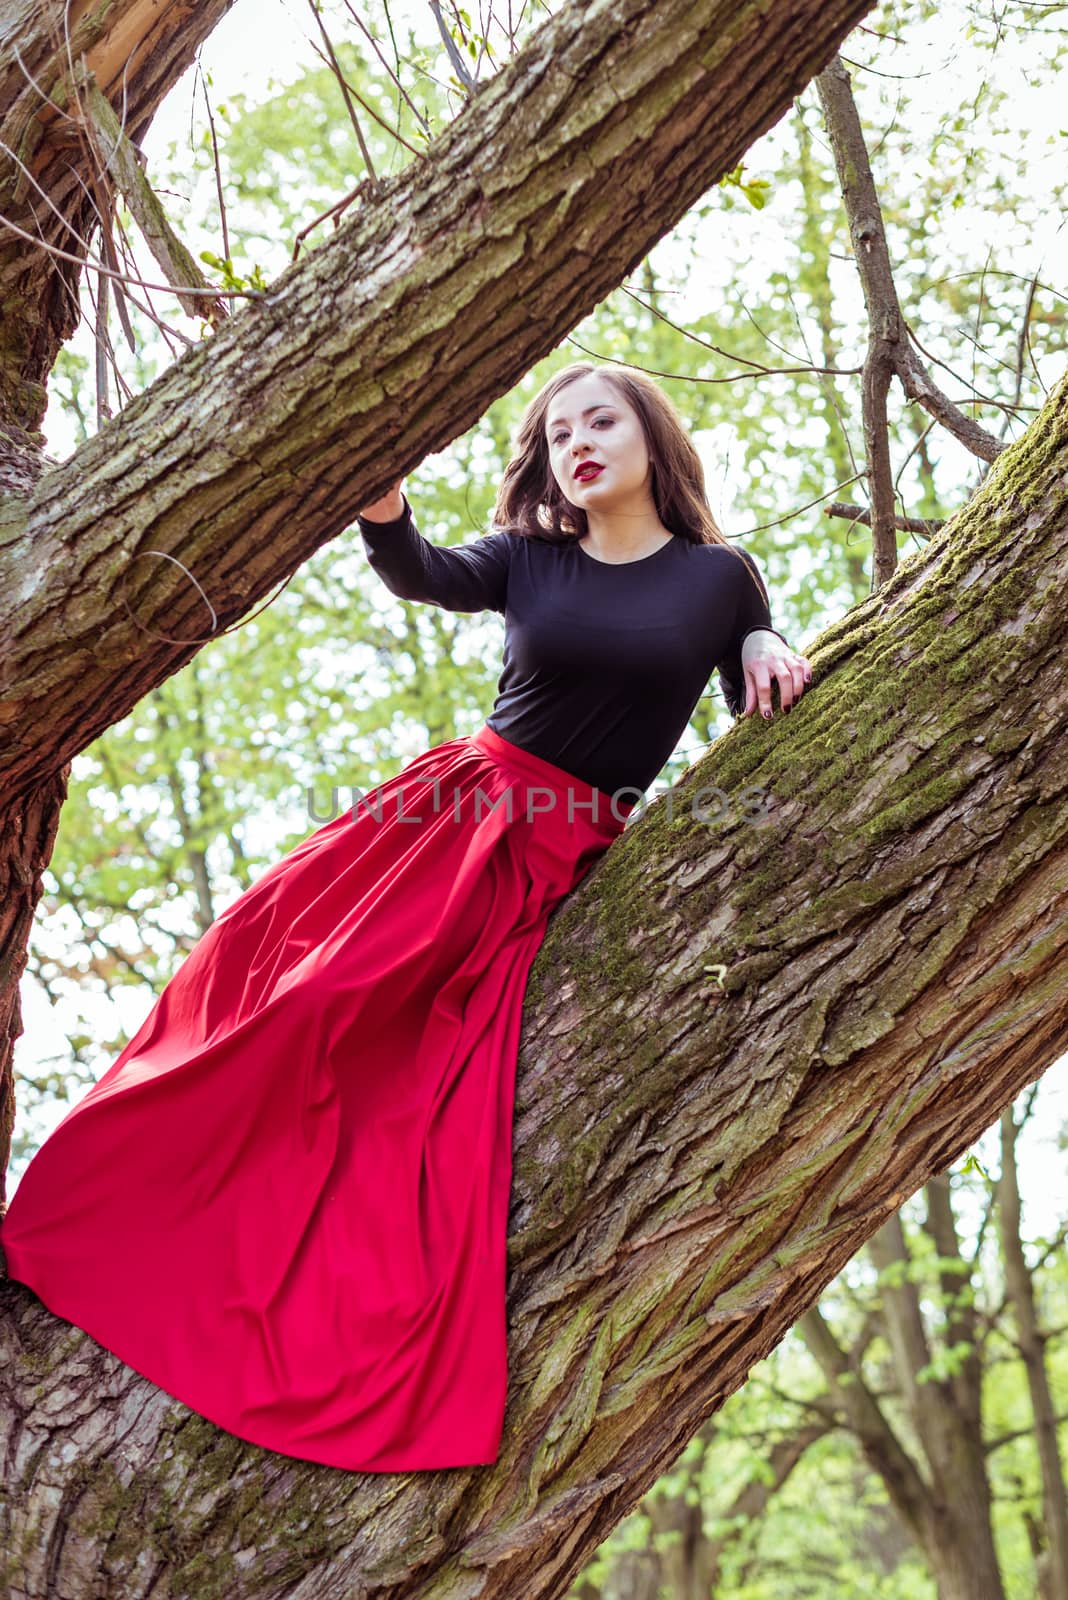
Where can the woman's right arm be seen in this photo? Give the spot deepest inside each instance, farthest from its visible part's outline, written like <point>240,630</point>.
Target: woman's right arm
<point>466,577</point>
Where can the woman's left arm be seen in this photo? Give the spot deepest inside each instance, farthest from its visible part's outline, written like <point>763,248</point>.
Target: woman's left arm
<point>759,654</point>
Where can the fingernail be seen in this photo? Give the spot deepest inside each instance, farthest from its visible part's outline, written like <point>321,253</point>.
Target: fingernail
<point>767,713</point>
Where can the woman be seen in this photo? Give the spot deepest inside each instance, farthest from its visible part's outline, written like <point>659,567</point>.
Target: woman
<point>286,1202</point>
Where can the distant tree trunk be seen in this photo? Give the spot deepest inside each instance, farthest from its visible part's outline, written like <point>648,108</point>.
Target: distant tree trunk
<point>1053,1560</point>
<point>688,1568</point>
<point>936,1471</point>
<point>945,1414</point>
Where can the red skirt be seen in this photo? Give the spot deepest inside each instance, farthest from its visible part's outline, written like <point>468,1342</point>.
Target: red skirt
<point>286,1201</point>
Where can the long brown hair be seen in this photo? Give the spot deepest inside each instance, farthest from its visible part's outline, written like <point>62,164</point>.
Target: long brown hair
<point>530,501</point>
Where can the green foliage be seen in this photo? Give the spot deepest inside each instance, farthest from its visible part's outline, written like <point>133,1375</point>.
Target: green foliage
<point>755,190</point>
<point>973,1164</point>
<point>230,278</point>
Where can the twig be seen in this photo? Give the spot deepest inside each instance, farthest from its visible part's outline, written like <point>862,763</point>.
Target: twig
<point>108,246</point>
<point>348,90</point>
<point>889,353</point>
<point>925,525</point>
<point>98,266</point>
<point>979,399</point>
<point>332,211</point>
<point>759,371</point>
<point>1023,343</point>
<point>103,408</point>
<point>345,93</point>
<point>688,377</point>
<point>373,42</point>
<point>170,253</point>
<point>218,170</point>
<point>132,269</point>
<point>459,65</point>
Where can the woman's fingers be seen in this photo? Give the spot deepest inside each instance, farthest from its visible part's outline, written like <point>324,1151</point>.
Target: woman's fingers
<point>796,682</point>
<point>758,678</point>
<point>792,672</point>
<point>387,506</point>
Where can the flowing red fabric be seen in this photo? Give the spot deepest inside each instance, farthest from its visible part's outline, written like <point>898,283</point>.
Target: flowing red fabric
<point>286,1201</point>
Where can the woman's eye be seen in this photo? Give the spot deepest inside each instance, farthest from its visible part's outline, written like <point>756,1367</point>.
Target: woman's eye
<point>558,438</point>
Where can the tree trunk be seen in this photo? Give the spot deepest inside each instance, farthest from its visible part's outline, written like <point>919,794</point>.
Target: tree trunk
<point>956,1530</point>
<point>135,50</point>
<point>693,1163</point>
<point>1031,1343</point>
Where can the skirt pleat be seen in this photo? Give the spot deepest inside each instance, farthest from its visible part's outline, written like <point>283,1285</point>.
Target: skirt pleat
<point>286,1201</point>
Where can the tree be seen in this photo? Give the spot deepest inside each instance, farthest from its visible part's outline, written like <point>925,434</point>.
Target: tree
<point>870,1000</point>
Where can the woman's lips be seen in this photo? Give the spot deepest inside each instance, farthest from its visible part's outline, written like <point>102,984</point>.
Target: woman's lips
<point>587,474</point>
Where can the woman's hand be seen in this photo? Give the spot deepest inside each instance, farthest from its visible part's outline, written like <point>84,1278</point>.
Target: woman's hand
<point>764,657</point>
<point>389,507</point>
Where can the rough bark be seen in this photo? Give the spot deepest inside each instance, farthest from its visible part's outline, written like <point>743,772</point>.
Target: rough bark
<point>25,855</point>
<point>693,1164</point>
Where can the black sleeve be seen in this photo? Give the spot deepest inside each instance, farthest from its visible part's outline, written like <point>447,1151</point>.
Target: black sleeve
<point>752,614</point>
<point>466,577</point>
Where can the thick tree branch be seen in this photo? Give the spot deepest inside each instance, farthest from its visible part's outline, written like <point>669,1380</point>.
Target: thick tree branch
<point>924,525</point>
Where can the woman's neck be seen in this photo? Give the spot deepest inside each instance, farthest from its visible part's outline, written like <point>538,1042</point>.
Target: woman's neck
<point>622,535</point>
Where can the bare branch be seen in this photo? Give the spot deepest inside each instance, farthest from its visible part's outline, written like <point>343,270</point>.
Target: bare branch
<point>171,255</point>
<point>459,65</point>
<point>925,525</point>
<point>393,73</point>
<point>346,94</point>
<point>889,352</point>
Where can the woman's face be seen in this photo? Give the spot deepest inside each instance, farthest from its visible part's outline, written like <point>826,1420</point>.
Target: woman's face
<point>590,423</point>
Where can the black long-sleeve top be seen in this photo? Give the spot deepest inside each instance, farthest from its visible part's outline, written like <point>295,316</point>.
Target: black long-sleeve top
<point>603,662</point>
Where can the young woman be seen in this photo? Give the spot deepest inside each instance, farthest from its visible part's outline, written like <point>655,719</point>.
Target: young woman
<point>286,1202</point>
